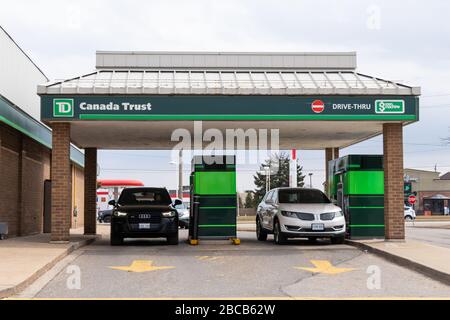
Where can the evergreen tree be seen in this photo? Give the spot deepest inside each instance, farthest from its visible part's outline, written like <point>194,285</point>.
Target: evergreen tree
<point>278,179</point>
<point>249,201</point>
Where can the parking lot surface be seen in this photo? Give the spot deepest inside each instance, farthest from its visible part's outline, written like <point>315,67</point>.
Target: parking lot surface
<point>218,269</point>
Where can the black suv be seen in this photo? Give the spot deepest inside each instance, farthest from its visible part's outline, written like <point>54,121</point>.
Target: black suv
<point>144,213</point>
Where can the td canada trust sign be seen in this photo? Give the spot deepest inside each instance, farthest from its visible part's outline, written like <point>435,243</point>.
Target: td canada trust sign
<point>347,108</point>
<point>65,107</point>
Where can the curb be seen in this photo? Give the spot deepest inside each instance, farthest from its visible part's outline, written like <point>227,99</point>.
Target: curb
<point>434,274</point>
<point>245,229</point>
<point>8,292</point>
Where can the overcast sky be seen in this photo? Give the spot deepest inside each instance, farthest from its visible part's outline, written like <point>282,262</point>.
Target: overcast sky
<point>406,41</point>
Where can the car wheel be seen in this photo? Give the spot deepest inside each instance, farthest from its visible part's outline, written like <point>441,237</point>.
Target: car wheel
<point>261,234</point>
<point>107,219</point>
<point>278,236</point>
<point>116,240</point>
<point>173,239</point>
<point>338,240</point>
<point>409,218</point>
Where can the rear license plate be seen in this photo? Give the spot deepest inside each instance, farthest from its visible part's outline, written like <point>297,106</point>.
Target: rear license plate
<point>318,227</point>
<point>144,225</point>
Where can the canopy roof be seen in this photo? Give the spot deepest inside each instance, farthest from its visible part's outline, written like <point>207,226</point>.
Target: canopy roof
<point>137,100</point>
<point>229,73</point>
<point>226,82</point>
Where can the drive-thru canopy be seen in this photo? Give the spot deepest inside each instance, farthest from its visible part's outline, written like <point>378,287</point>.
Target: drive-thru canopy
<point>134,100</point>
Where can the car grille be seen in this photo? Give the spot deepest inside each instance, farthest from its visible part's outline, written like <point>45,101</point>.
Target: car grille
<point>145,217</point>
<point>305,216</point>
<point>327,216</point>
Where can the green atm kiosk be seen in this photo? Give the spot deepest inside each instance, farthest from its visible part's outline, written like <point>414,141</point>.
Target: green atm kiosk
<point>213,212</point>
<point>356,184</point>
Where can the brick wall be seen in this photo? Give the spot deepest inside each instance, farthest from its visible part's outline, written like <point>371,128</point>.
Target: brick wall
<point>32,194</point>
<point>393,183</point>
<point>9,182</point>
<point>24,166</point>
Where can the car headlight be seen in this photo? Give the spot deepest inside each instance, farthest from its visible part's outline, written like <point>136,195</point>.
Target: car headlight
<point>289,214</point>
<point>338,214</point>
<point>168,214</point>
<point>120,214</point>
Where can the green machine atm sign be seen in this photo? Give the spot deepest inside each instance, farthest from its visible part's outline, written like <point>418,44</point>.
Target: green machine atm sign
<point>222,108</point>
<point>390,106</point>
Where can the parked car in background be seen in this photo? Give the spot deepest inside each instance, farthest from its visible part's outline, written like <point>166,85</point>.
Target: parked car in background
<point>410,213</point>
<point>104,216</point>
<point>299,213</point>
<point>144,213</point>
<point>183,214</point>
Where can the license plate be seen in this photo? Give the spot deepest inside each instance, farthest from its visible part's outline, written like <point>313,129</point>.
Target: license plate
<point>144,225</point>
<point>318,227</point>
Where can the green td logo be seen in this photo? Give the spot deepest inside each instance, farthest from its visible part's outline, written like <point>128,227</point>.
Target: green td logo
<point>63,108</point>
<point>390,106</point>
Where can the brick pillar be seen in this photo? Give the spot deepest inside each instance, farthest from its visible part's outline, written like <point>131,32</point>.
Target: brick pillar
<point>61,182</point>
<point>393,181</point>
<point>335,153</point>
<point>90,191</point>
<point>328,157</point>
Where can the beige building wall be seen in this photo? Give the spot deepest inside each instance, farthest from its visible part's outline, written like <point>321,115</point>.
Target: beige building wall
<point>427,184</point>
<point>77,196</point>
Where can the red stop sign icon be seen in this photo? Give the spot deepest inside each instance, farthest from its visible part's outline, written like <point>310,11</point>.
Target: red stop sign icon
<point>412,199</point>
<point>318,106</point>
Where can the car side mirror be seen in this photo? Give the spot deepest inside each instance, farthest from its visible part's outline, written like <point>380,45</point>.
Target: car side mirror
<point>112,203</point>
<point>177,202</point>
<point>269,201</point>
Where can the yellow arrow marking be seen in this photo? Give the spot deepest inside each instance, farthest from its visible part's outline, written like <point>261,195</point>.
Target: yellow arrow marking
<point>324,266</point>
<point>141,266</point>
<point>208,258</point>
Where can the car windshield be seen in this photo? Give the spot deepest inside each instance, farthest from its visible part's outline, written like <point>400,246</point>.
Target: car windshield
<point>143,196</point>
<point>302,196</point>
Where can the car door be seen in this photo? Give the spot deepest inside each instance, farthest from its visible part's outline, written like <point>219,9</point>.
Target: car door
<point>272,209</point>
<point>264,208</point>
<point>260,209</point>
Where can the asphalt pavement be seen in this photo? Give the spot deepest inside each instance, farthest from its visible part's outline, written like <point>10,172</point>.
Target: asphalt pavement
<point>218,269</point>
<point>435,233</point>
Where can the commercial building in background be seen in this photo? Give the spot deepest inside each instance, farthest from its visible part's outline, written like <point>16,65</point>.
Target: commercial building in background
<point>432,191</point>
<point>110,190</point>
<point>25,149</point>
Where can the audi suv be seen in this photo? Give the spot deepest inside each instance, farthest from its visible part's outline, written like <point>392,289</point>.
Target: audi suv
<point>144,213</point>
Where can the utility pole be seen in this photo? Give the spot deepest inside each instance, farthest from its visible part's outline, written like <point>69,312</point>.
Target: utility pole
<point>180,175</point>
<point>310,180</point>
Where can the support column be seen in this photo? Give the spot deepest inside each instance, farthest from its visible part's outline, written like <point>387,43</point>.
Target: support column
<point>393,181</point>
<point>90,191</point>
<point>335,153</point>
<point>61,182</point>
<point>328,157</point>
